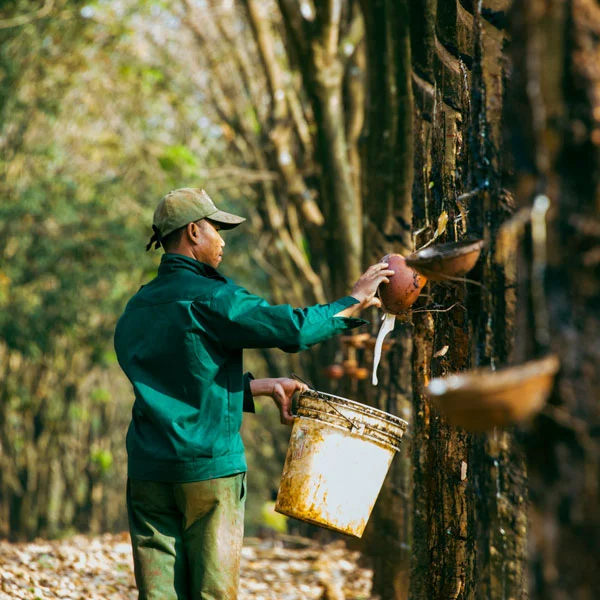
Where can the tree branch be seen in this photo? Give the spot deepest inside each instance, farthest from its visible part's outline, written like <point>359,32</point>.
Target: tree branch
<point>239,55</point>
<point>295,27</point>
<point>264,40</point>
<point>281,133</point>
<point>331,17</point>
<point>241,174</point>
<point>29,17</point>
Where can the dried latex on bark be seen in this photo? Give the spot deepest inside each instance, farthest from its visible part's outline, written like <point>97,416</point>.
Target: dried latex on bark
<point>396,296</point>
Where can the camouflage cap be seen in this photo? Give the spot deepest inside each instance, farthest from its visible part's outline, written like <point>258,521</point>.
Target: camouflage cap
<point>186,205</point>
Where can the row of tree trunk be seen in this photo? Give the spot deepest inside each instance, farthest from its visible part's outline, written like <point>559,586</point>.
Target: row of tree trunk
<point>475,112</point>
<point>368,127</point>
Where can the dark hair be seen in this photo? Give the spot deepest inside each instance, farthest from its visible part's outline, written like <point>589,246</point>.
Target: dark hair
<point>172,239</point>
<point>169,240</point>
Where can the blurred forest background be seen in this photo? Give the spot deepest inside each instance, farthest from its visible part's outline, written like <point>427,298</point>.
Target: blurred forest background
<point>343,130</point>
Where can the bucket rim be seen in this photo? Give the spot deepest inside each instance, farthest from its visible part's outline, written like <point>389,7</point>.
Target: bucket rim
<point>322,523</point>
<point>358,406</point>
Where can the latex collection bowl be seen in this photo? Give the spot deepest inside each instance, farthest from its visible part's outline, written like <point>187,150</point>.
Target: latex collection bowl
<point>446,261</point>
<point>481,399</point>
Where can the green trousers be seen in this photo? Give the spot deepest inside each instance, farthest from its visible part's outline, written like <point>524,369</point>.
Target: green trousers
<point>187,537</point>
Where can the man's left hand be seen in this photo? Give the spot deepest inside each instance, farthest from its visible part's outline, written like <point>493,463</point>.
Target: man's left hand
<point>281,389</point>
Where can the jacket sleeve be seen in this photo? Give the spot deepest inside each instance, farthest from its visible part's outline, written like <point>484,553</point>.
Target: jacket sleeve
<point>248,405</point>
<point>239,319</point>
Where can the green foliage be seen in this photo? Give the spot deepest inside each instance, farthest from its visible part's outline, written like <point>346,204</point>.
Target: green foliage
<point>78,413</point>
<point>96,124</point>
<point>103,459</point>
<point>252,119</point>
<point>177,159</point>
<point>101,396</point>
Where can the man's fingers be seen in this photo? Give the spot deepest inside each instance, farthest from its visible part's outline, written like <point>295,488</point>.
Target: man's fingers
<point>375,275</point>
<point>286,416</point>
<point>294,384</point>
<point>376,267</point>
<point>386,273</point>
<point>283,399</point>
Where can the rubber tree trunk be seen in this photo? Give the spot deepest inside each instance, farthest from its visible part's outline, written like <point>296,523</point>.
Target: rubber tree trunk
<point>555,126</point>
<point>434,168</point>
<point>387,182</point>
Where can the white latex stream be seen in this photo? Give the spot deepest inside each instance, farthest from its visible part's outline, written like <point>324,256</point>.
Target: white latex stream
<point>388,325</point>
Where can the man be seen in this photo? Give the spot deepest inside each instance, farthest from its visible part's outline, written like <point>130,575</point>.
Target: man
<point>180,343</point>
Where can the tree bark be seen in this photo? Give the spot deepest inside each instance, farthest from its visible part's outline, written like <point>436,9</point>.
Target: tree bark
<point>437,77</point>
<point>555,127</point>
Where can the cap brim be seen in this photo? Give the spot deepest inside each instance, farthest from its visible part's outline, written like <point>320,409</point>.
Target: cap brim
<point>226,220</point>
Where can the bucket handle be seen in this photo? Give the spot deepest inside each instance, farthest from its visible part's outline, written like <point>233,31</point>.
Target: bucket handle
<point>353,425</point>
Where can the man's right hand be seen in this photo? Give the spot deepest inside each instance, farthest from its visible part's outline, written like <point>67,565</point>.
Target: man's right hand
<point>365,288</point>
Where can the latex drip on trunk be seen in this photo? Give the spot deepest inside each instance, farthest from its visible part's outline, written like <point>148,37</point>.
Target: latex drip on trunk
<point>396,297</point>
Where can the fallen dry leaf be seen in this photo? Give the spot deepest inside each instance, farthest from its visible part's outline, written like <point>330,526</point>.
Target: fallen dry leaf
<point>100,568</point>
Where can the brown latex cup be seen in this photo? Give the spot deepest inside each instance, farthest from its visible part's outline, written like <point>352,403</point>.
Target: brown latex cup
<point>481,399</point>
<point>446,261</point>
<point>334,371</point>
<point>404,287</point>
<point>361,373</point>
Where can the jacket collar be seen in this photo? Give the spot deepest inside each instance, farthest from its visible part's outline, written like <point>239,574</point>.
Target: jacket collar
<point>170,263</point>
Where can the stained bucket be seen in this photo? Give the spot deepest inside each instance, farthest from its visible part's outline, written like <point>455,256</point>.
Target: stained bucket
<point>339,454</point>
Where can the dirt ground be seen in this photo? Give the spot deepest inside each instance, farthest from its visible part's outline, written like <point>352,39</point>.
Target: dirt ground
<point>100,568</point>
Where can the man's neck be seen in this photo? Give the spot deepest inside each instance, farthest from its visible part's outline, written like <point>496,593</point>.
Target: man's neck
<point>183,250</point>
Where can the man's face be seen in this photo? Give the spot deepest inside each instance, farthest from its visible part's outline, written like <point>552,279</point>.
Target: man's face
<point>208,246</point>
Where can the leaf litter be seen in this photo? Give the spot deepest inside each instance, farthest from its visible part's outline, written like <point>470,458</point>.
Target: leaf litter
<point>100,568</point>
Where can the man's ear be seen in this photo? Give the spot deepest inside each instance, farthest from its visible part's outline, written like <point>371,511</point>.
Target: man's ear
<point>193,232</point>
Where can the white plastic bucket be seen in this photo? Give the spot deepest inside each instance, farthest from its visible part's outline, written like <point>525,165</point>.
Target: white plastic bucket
<point>339,454</point>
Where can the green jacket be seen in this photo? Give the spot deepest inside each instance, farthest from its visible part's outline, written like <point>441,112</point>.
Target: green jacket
<point>180,343</point>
